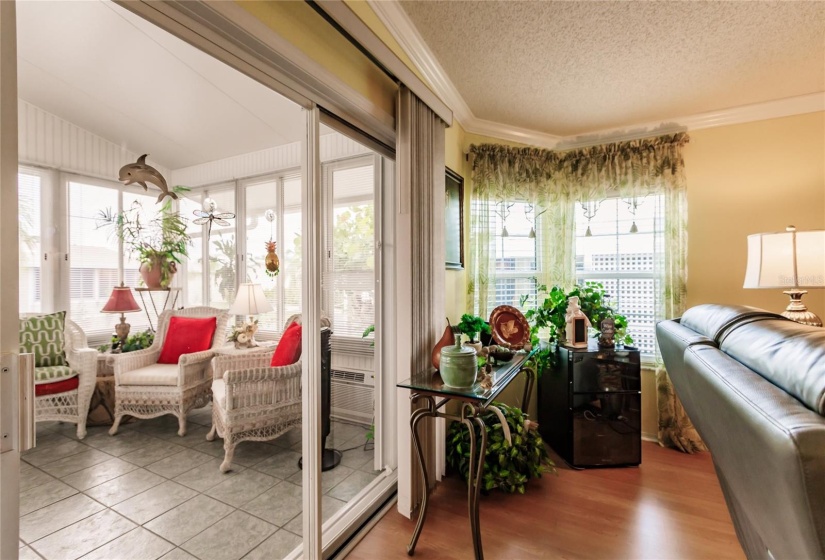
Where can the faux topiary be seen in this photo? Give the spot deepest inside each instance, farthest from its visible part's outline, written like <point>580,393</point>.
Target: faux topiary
<point>507,466</point>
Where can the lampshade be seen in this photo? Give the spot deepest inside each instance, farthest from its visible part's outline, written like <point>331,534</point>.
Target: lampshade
<point>121,301</point>
<point>790,259</point>
<point>250,300</point>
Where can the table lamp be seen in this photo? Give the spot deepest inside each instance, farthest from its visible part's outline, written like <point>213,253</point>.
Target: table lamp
<point>791,259</point>
<point>250,300</point>
<point>121,301</point>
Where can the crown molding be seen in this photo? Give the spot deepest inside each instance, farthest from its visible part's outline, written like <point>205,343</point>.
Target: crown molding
<point>393,16</point>
<point>799,105</point>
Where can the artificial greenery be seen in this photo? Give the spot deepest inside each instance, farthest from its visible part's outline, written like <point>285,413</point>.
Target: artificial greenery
<point>507,466</point>
<point>472,325</point>
<point>157,241</point>
<point>137,341</point>
<point>550,314</point>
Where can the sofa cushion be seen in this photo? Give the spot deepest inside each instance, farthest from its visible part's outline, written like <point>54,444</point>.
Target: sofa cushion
<point>187,335</point>
<point>289,347</point>
<point>62,386</point>
<point>715,321</point>
<point>42,335</point>
<point>156,374</point>
<point>788,354</point>
<point>219,393</point>
<point>51,374</point>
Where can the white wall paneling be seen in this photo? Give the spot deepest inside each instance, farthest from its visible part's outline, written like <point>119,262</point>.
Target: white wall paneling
<point>47,140</point>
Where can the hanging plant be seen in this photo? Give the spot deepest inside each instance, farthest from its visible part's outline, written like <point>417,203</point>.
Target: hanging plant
<point>507,466</point>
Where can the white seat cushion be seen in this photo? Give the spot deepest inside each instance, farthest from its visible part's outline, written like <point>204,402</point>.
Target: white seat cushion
<point>219,393</point>
<point>156,374</point>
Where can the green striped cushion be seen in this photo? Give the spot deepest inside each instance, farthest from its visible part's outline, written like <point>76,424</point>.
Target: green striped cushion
<point>51,374</point>
<point>42,336</point>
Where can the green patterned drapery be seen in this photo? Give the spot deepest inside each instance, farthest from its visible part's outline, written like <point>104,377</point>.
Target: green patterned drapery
<point>554,182</point>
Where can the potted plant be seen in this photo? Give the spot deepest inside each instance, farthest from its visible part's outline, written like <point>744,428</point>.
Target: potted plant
<point>159,242</point>
<point>549,317</point>
<point>472,326</point>
<point>507,466</point>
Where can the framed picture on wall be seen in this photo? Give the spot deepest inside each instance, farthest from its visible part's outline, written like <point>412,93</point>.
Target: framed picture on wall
<point>454,217</point>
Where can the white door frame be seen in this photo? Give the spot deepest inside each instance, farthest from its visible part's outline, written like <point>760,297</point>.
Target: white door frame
<point>9,327</point>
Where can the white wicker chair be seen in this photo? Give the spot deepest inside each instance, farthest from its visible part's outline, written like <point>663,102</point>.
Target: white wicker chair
<point>192,377</point>
<point>252,401</point>
<point>71,406</point>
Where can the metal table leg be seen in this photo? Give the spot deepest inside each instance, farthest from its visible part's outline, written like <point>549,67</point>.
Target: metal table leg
<point>415,418</point>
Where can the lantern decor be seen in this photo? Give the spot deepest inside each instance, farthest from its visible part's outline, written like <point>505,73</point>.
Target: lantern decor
<point>577,324</point>
<point>272,263</point>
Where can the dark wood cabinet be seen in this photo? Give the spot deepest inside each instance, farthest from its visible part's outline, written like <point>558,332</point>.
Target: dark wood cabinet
<point>590,406</point>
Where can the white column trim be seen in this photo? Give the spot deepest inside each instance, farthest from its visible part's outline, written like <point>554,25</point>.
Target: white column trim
<point>9,254</point>
<point>311,210</point>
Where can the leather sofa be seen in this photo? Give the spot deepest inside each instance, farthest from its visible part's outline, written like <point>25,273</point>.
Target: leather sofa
<point>753,383</point>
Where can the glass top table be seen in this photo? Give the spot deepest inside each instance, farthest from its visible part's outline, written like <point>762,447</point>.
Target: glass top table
<point>425,389</point>
<point>431,383</point>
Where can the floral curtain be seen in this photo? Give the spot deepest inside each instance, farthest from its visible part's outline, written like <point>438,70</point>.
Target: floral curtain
<point>554,182</point>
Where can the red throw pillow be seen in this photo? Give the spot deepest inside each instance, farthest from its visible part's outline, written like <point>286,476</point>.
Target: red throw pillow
<point>187,335</point>
<point>62,386</point>
<point>289,348</point>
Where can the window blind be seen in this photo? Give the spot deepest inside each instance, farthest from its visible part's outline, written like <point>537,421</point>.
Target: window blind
<point>29,190</point>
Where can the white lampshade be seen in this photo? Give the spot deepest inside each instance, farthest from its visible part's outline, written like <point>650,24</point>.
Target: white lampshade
<point>789,259</point>
<point>250,300</point>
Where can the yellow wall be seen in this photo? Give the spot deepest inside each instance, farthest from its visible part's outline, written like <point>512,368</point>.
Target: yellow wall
<point>299,24</point>
<point>751,178</point>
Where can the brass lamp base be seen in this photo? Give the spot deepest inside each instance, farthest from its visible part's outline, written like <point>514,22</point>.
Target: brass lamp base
<point>797,311</point>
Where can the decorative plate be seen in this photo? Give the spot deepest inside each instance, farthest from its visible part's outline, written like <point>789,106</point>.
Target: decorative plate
<point>509,327</point>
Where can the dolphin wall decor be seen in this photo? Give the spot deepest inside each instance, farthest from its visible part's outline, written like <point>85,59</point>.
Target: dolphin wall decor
<point>141,173</point>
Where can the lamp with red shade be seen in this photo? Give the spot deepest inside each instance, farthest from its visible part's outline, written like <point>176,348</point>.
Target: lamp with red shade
<point>121,301</point>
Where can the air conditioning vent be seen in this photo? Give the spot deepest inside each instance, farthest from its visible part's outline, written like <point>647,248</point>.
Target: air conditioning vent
<point>353,376</point>
<point>352,399</point>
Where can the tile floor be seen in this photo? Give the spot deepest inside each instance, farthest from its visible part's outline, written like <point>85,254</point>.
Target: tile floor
<point>146,493</point>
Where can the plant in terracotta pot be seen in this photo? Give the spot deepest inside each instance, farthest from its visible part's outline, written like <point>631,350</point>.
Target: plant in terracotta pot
<point>159,242</point>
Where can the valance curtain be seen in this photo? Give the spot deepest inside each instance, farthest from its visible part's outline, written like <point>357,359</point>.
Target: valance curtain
<point>554,183</point>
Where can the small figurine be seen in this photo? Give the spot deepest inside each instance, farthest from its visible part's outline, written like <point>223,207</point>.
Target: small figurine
<point>577,324</point>
<point>608,328</point>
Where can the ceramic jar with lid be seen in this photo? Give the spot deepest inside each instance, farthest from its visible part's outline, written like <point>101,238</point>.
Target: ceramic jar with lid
<point>458,366</point>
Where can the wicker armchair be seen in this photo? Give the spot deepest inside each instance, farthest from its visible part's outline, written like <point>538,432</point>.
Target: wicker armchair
<point>71,406</point>
<point>146,389</point>
<point>252,401</point>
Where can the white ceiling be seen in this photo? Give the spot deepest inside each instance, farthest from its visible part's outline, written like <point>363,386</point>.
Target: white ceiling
<point>570,68</point>
<point>106,70</point>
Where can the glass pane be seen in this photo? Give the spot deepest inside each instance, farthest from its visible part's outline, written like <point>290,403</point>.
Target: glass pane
<point>260,197</point>
<point>290,255</point>
<point>222,253</point>
<point>192,282</point>
<point>93,256</point>
<point>622,257</point>
<point>28,192</point>
<point>351,270</point>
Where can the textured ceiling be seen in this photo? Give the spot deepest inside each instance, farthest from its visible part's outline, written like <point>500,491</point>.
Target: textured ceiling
<point>570,68</point>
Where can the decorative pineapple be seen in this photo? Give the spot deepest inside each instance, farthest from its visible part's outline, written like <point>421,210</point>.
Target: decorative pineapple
<point>273,264</point>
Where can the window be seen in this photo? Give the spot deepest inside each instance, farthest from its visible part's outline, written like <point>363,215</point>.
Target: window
<point>623,261</point>
<point>96,260</point>
<point>349,282</point>
<point>29,189</point>
<point>516,252</point>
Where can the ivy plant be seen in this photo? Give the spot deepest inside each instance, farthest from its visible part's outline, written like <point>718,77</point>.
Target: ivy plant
<point>550,314</point>
<point>507,466</point>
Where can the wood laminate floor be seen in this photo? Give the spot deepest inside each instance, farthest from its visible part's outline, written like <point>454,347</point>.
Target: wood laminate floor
<point>671,507</point>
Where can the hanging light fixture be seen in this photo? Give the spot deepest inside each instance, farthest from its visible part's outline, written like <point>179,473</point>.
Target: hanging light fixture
<point>528,209</point>
<point>590,208</point>
<point>503,210</point>
<point>632,205</point>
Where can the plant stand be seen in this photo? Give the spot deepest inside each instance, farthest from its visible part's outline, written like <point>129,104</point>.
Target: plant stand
<point>169,292</point>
